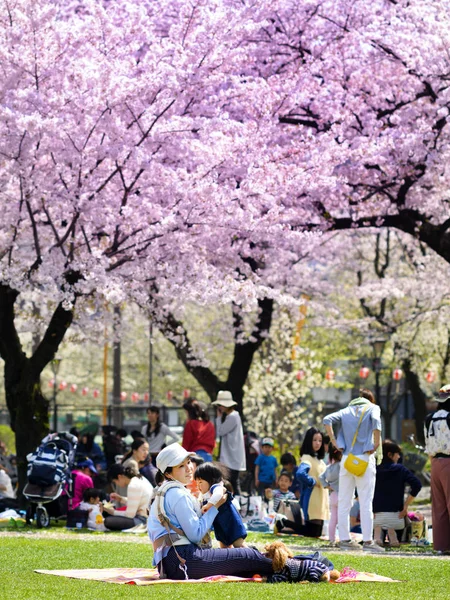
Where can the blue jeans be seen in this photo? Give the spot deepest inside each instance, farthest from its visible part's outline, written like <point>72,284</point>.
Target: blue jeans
<point>207,457</point>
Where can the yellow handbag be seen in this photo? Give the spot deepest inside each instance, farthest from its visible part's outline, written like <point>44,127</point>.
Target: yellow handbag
<point>355,465</point>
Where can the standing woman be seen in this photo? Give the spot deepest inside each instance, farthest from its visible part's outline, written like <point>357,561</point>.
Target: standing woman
<point>437,444</point>
<point>229,429</point>
<point>359,433</point>
<point>314,497</point>
<point>156,432</point>
<point>199,435</point>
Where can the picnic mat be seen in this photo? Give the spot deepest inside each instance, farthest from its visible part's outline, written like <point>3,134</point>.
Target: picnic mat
<point>150,576</point>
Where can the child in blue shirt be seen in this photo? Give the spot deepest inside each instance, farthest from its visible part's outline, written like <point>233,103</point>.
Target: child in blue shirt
<point>228,527</point>
<point>265,467</point>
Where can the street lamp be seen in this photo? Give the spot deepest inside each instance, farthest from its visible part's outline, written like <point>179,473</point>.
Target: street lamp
<point>55,364</point>
<point>378,347</point>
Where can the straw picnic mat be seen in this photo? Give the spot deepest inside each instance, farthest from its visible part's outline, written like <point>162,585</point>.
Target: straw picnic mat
<point>150,576</point>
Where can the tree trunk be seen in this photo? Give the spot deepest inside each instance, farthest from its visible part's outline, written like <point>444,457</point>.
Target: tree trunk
<point>419,400</point>
<point>28,408</point>
<point>242,359</point>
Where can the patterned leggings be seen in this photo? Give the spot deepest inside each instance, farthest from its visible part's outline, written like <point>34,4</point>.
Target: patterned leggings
<point>243,562</point>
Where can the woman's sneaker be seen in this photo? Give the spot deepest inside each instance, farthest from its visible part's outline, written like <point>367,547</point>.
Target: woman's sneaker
<point>349,545</point>
<point>372,547</point>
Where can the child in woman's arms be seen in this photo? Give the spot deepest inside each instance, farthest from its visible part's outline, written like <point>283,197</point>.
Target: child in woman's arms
<point>228,526</point>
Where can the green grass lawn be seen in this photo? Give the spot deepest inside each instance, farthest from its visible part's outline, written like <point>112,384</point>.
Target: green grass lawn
<point>424,578</point>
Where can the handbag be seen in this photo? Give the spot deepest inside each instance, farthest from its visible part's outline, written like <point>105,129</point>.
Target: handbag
<point>354,464</point>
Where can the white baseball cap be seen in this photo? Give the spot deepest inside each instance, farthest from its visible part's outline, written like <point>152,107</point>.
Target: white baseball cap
<point>171,456</point>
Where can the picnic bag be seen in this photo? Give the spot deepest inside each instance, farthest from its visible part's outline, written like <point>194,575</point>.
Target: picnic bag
<point>354,464</point>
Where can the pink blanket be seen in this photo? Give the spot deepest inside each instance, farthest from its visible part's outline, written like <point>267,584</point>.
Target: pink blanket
<point>150,576</point>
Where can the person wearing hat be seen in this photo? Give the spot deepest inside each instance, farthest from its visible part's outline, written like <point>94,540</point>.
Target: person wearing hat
<point>265,467</point>
<point>82,476</point>
<point>437,445</point>
<point>229,429</point>
<point>176,527</point>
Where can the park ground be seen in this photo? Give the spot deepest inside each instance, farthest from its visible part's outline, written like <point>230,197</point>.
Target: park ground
<point>423,575</point>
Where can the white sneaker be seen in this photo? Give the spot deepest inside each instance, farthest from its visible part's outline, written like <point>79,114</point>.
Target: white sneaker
<point>372,547</point>
<point>349,545</point>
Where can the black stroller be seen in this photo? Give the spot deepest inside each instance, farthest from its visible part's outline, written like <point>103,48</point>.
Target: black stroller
<point>49,475</point>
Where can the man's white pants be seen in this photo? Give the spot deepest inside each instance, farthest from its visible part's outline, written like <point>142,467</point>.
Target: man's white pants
<point>366,487</point>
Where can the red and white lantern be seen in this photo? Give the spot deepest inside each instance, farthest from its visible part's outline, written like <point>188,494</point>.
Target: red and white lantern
<point>146,397</point>
<point>96,393</point>
<point>330,375</point>
<point>51,383</point>
<point>397,374</point>
<point>62,386</point>
<point>364,372</point>
<point>134,397</point>
<point>169,395</point>
<point>85,391</point>
<point>300,375</point>
<point>73,388</point>
<point>186,393</point>
<point>430,376</point>
<point>123,396</point>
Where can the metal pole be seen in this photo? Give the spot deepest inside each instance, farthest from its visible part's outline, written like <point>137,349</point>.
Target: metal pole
<point>150,369</point>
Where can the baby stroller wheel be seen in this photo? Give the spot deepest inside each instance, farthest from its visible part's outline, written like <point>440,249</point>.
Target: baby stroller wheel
<point>42,518</point>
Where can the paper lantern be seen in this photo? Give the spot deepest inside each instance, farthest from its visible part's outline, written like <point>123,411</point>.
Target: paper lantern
<point>186,393</point>
<point>330,375</point>
<point>73,388</point>
<point>430,376</point>
<point>134,397</point>
<point>146,397</point>
<point>123,396</point>
<point>85,391</point>
<point>51,383</point>
<point>62,385</point>
<point>96,393</point>
<point>364,372</point>
<point>397,374</point>
<point>300,375</point>
<point>169,395</point>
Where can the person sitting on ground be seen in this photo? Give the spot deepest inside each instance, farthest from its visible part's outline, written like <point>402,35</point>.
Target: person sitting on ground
<point>139,493</point>
<point>82,476</point>
<point>91,503</point>
<point>176,527</point>
<point>389,504</point>
<point>87,447</point>
<point>282,492</point>
<point>289,464</point>
<point>229,529</point>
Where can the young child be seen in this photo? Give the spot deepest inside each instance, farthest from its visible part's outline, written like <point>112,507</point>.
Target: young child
<point>91,503</point>
<point>265,467</point>
<point>330,479</point>
<point>389,504</point>
<point>228,526</point>
<point>282,492</point>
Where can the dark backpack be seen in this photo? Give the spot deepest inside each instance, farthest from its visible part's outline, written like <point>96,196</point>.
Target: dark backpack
<point>47,465</point>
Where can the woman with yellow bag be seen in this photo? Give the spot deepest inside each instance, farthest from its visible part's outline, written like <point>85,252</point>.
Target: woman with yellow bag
<point>358,429</point>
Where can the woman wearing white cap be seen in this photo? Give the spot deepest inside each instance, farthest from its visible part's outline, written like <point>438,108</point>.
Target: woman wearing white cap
<point>229,429</point>
<point>176,527</point>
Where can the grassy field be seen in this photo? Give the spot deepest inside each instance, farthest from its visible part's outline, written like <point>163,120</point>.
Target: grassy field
<point>423,577</point>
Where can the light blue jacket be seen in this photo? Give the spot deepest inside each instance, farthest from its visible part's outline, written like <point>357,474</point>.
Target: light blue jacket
<point>182,512</point>
<point>345,422</point>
